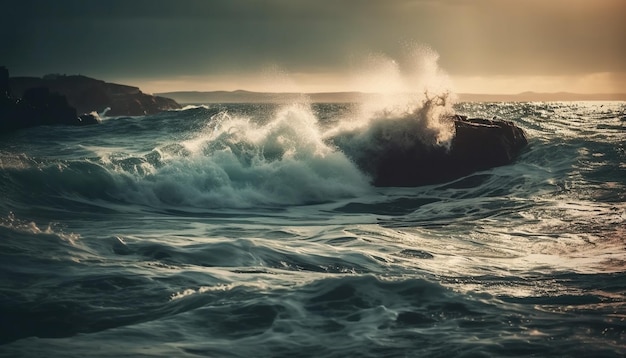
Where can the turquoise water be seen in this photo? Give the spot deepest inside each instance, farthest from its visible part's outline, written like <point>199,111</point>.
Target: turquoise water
<point>244,231</point>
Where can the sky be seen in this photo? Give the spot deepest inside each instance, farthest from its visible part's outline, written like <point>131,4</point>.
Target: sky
<point>478,46</point>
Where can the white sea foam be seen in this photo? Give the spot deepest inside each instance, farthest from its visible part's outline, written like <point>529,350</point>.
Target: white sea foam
<point>192,106</point>
<point>238,161</point>
<point>30,227</point>
<point>413,100</point>
<point>235,162</point>
<point>217,288</point>
<point>413,103</point>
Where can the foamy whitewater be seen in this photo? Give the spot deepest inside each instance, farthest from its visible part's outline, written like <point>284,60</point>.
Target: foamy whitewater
<point>246,230</point>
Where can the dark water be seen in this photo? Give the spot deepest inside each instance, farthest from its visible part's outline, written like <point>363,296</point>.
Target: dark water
<point>243,231</point>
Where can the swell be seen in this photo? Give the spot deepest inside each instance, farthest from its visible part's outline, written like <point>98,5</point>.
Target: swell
<point>243,156</point>
<point>268,156</point>
<point>363,315</point>
<point>519,260</point>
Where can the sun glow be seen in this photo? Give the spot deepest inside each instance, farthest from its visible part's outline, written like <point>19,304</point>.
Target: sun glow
<point>386,79</point>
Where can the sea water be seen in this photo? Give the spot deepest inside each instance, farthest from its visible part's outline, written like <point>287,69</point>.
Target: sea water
<point>244,230</point>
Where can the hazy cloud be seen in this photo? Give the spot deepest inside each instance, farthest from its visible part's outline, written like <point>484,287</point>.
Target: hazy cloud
<point>144,38</point>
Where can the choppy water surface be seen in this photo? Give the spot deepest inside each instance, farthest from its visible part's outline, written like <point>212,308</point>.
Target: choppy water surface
<point>243,231</point>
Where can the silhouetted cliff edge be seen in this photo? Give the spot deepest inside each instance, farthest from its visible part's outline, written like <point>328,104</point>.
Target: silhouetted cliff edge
<point>37,106</point>
<point>87,95</point>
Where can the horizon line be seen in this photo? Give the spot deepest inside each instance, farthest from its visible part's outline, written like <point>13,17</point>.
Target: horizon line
<point>529,92</point>
<point>224,96</point>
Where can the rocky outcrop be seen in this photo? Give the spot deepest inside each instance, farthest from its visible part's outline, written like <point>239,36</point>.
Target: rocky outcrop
<point>478,144</point>
<point>37,106</point>
<point>5,89</point>
<point>56,99</point>
<point>88,95</point>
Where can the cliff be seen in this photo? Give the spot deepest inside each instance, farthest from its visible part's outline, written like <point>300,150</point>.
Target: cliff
<point>87,95</point>
<point>37,106</point>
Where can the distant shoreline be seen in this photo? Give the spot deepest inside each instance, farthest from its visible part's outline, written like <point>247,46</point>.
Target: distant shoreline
<point>542,97</point>
<point>241,96</point>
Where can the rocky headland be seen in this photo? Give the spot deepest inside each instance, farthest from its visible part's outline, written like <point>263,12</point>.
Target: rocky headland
<point>59,99</point>
<point>88,94</point>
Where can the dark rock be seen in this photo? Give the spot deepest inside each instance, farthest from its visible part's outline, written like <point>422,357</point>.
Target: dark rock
<point>482,144</point>
<point>48,108</point>
<point>478,144</point>
<point>88,95</point>
<point>56,99</point>
<point>37,106</point>
<point>4,82</point>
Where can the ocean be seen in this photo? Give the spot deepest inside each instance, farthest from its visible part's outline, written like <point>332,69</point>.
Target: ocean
<point>243,230</point>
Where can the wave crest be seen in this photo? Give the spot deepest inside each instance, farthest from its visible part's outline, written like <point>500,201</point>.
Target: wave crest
<point>236,162</point>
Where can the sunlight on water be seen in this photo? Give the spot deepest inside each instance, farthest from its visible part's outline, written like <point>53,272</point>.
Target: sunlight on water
<point>30,227</point>
<point>245,230</point>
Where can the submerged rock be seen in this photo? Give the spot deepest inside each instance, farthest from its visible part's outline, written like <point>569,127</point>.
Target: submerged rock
<point>478,144</point>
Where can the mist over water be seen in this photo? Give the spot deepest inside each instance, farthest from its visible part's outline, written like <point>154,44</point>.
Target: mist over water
<point>246,230</point>
<point>254,156</point>
<point>236,161</point>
